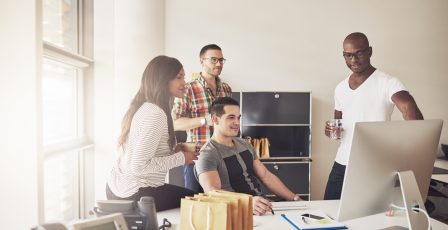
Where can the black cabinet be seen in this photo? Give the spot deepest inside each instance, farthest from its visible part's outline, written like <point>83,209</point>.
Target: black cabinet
<point>276,108</point>
<point>284,118</point>
<point>295,175</point>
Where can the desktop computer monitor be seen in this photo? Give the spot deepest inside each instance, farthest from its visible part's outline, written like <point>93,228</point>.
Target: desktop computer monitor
<point>380,150</point>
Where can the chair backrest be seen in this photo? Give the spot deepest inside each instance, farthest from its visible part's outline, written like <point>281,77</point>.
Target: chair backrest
<point>181,136</point>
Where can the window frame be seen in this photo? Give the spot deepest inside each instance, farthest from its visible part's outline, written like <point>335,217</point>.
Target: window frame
<point>81,144</point>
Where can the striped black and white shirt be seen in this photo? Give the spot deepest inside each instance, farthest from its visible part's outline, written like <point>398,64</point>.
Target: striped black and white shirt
<point>147,156</point>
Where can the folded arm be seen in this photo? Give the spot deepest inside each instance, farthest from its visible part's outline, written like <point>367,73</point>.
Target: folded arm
<point>186,123</point>
<point>181,113</point>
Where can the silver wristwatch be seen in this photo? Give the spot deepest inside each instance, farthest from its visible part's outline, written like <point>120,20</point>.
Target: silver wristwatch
<point>203,121</point>
<point>296,197</point>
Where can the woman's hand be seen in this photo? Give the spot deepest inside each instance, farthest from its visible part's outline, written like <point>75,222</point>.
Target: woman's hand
<point>189,157</point>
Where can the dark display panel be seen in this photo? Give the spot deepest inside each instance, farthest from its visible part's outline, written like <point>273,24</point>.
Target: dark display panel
<point>276,108</point>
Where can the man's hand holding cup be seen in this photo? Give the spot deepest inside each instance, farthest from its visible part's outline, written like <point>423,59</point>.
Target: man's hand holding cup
<point>333,129</point>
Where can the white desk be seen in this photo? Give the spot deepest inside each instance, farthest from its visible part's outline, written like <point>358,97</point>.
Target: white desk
<point>269,221</point>
<point>441,163</point>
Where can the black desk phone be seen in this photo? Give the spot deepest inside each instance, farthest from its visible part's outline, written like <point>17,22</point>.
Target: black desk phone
<point>139,215</point>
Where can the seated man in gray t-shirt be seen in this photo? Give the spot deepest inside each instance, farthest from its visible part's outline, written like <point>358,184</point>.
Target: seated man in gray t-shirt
<point>230,163</point>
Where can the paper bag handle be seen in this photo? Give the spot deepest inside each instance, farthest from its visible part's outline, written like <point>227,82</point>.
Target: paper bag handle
<point>208,217</point>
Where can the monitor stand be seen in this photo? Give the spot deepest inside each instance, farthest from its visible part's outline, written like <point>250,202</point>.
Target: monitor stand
<point>412,198</point>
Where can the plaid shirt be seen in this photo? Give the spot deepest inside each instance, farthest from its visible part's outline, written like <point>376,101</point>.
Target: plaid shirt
<point>197,102</point>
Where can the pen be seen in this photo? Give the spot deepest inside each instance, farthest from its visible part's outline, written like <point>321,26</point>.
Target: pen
<point>289,221</point>
<point>272,211</point>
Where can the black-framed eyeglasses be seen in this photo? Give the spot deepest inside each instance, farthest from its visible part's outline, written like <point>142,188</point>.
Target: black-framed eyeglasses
<point>215,60</point>
<point>165,224</point>
<point>359,54</point>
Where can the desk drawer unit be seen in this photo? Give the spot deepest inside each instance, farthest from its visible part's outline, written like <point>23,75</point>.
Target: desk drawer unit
<point>295,175</point>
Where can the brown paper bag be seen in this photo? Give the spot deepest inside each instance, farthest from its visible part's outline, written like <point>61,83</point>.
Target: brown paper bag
<point>204,215</point>
<point>265,148</point>
<point>256,145</point>
<point>246,201</point>
<point>235,206</point>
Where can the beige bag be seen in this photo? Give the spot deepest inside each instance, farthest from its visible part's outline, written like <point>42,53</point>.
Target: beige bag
<point>235,208</point>
<point>246,202</point>
<point>196,214</point>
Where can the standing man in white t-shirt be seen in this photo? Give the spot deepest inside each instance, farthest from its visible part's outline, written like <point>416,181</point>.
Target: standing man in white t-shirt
<point>366,95</point>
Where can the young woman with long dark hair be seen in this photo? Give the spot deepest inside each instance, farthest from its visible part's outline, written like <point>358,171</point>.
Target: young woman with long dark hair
<point>147,139</point>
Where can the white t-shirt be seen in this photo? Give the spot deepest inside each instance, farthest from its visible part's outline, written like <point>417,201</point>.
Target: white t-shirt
<point>371,101</point>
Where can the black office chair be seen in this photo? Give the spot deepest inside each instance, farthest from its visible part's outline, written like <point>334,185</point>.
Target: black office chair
<point>181,136</point>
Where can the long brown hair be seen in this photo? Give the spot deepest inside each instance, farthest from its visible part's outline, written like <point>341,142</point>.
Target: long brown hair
<point>154,89</point>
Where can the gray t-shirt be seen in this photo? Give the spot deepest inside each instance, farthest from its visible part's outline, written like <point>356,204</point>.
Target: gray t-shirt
<point>234,165</point>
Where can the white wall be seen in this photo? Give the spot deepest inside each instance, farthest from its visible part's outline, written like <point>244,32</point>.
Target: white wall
<point>296,45</point>
<point>19,58</point>
<point>128,34</point>
<point>283,45</point>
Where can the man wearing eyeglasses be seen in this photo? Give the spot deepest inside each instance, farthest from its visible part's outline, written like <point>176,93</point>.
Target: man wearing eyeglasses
<point>192,112</point>
<point>366,95</point>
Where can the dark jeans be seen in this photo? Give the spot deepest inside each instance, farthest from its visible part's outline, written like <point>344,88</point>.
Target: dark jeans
<point>190,179</point>
<point>335,182</point>
<point>166,196</point>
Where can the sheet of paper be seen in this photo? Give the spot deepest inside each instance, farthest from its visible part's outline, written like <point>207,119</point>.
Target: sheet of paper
<point>313,223</point>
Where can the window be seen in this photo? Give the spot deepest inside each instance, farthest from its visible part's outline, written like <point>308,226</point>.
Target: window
<point>60,90</point>
<point>64,113</point>
<point>60,23</point>
<point>61,187</point>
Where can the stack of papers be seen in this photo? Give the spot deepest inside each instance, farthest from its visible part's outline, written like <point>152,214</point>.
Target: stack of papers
<point>317,220</point>
<point>288,205</point>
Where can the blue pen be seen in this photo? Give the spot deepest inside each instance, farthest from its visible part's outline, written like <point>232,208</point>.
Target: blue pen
<point>289,221</point>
